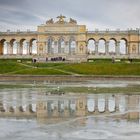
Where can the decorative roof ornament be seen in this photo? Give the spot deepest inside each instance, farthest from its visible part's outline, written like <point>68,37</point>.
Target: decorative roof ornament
<point>72,21</point>
<point>50,21</point>
<point>61,19</point>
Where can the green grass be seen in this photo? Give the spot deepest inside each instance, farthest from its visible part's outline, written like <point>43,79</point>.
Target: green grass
<point>45,65</point>
<point>98,67</point>
<point>12,67</point>
<point>9,66</point>
<point>104,68</point>
<point>40,71</point>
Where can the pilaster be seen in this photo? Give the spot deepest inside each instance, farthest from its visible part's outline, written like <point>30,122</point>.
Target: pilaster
<point>117,49</point>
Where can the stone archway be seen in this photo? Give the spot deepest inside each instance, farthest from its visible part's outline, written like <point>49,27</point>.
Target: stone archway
<point>72,46</point>
<point>112,46</point>
<point>61,45</point>
<point>123,46</point>
<point>49,45</point>
<point>91,46</point>
<point>33,46</point>
<point>102,46</point>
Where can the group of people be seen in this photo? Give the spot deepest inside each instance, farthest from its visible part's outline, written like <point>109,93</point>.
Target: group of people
<point>57,59</point>
<point>34,60</point>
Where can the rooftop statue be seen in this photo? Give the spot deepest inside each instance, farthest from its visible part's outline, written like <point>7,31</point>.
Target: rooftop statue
<point>72,21</point>
<point>61,19</point>
<point>50,21</point>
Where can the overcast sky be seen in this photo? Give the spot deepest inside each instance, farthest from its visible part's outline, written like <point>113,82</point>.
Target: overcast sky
<point>101,14</point>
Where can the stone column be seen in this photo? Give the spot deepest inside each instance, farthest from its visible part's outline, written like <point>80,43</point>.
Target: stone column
<point>28,47</point>
<point>81,103</point>
<point>18,47</point>
<point>1,48</point>
<point>116,104</point>
<point>106,104</point>
<point>40,48</point>
<point>11,48</point>
<point>117,48</point>
<point>46,47</point>
<point>21,49</point>
<point>70,47</point>
<point>139,48</point>
<point>41,110</point>
<point>77,51</point>
<point>106,47</point>
<point>96,47</point>
<point>96,110</point>
<point>127,48</point>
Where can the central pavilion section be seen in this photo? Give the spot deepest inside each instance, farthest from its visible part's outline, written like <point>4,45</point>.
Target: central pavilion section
<point>61,38</point>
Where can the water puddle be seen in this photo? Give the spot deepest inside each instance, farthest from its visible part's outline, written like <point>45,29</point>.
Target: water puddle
<point>30,113</point>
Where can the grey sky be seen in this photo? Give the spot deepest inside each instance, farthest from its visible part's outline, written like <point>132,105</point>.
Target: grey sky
<point>102,14</point>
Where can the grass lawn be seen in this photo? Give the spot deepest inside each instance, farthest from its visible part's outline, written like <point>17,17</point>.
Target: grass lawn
<point>40,71</point>
<point>13,67</point>
<point>101,67</point>
<point>9,66</point>
<point>104,68</point>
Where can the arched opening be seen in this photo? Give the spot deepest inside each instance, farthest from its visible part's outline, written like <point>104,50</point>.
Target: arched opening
<point>53,47</point>
<point>123,46</point>
<point>13,102</point>
<point>112,46</point>
<point>101,104</point>
<point>2,46</point>
<point>23,47</point>
<point>49,46</point>
<point>101,46</point>
<point>111,104</point>
<point>50,108</point>
<point>15,46</point>
<point>72,106</point>
<point>23,102</point>
<point>5,47</point>
<point>91,105</point>
<point>72,46</point>
<point>61,107</point>
<point>61,45</point>
<point>91,46</point>
<point>33,46</point>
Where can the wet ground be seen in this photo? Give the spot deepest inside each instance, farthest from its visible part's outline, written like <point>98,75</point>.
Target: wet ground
<point>81,129</point>
<point>70,116</point>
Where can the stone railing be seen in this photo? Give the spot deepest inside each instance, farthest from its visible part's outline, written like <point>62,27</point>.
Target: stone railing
<point>114,32</point>
<point>18,32</point>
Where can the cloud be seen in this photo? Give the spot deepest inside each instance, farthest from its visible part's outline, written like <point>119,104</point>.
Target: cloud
<point>11,2</point>
<point>94,13</point>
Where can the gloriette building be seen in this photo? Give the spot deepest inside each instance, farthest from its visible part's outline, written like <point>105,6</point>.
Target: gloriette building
<point>65,38</point>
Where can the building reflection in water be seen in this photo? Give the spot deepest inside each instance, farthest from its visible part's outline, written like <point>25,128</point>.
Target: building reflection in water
<point>59,108</point>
